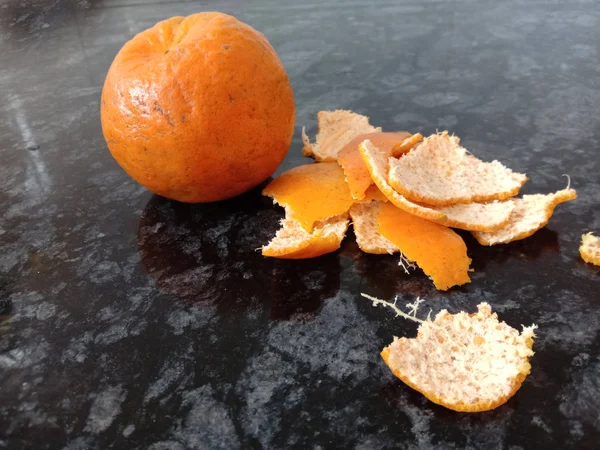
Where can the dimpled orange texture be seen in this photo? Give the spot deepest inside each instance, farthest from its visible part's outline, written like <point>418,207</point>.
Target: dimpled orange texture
<point>198,108</point>
<point>312,192</point>
<point>437,250</point>
<point>357,174</point>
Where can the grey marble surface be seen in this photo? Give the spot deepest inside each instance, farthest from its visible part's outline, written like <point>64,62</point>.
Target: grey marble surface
<point>130,321</point>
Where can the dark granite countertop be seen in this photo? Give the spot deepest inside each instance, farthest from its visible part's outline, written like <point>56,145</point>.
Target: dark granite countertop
<point>141,323</point>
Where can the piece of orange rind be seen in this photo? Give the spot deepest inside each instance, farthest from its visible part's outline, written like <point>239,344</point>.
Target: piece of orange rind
<point>439,251</point>
<point>406,145</point>
<point>473,216</point>
<point>293,242</point>
<point>357,174</point>
<point>312,193</point>
<point>336,129</point>
<point>532,212</point>
<point>590,249</point>
<point>376,162</point>
<point>364,221</point>
<point>464,362</point>
<point>373,194</point>
<point>441,172</point>
<point>489,216</point>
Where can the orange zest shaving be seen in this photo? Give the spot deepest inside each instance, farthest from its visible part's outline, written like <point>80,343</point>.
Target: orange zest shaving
<point>437,250</point>
<point>357,174</point>
<point>311,193</point>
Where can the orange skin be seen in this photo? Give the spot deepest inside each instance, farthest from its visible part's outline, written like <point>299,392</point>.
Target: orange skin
<point>374,194</point>
<point>317,245</point>
<point>312,192</point>
<point>456,406</point>
<point>357,174</point>
<point>198,109</point>
<point>406,145</point>
<point>437,250</point>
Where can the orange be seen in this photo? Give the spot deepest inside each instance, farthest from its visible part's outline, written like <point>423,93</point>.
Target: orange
<point>198,108</point>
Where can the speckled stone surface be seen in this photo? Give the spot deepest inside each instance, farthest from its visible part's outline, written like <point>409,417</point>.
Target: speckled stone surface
<point>140,323</point>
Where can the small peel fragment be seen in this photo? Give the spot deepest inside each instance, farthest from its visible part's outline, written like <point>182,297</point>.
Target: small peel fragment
<point>336,129</point>
<point>532,212</point>
<point>406,145</point>
<point>293,242</point>
<point>441,172</point>
<point>357,174</point>
<point>312,193</point>
<point>590,249</point>
<point>436,249</point>
<point>472,216</point>
<point>464,362</point>
<point>364,221</point>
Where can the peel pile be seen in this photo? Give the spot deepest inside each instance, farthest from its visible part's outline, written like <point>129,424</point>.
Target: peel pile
<point>404,194</point>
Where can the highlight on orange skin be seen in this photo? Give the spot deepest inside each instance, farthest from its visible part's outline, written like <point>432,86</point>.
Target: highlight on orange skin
<point>436,249</point>
<point>312,192</point>
<point>357,174</point>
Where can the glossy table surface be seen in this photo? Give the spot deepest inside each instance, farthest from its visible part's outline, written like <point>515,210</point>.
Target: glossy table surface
<point>131,321</point>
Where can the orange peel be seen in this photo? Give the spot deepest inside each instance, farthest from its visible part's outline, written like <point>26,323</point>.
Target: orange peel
<point>436,249</point>
<point>376,162</point>
<point>441,172</point>
<point>293,242</point>
<point>373,194</point>
<point>357,174</point>
<point>364,221</point>
<point>590,249</point>
<point>406,145</point>
<point>336,129</point>
<point>312,193</point>
<point>478,216</point>
<point>464,362</point>
<point>532,212</point>
<point>472,216</point>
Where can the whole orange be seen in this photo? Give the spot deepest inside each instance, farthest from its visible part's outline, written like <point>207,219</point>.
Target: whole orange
<point>198,109</point>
